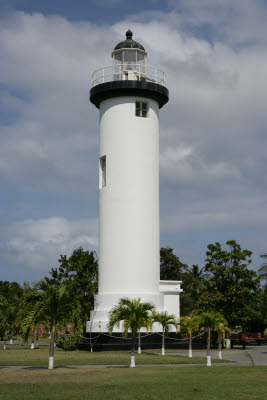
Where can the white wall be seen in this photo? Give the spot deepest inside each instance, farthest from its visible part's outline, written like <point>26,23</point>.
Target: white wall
<point>129,204</point>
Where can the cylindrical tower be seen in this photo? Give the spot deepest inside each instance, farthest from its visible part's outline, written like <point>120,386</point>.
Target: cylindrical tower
<point>129,95</point>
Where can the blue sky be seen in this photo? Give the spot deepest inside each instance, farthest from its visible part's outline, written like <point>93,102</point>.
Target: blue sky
<point>213,130</point>
<point>98,12</point>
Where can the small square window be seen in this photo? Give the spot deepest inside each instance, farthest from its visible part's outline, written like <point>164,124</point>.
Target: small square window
<point>141,109</point>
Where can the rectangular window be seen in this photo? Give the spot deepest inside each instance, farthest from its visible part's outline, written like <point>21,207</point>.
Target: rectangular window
<point>141,109</point>
<point>102,172</point>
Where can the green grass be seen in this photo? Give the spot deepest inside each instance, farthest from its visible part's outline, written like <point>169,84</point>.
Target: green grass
<point>23,355</point>
<point>168,383</point>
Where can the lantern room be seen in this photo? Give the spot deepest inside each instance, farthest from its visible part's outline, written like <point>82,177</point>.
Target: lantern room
<point>129,59</point>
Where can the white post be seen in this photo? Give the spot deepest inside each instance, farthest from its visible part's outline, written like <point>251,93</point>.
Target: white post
<point>208,361</point>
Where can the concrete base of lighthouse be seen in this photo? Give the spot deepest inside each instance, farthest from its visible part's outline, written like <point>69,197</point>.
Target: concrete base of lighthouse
<point>168,299</point>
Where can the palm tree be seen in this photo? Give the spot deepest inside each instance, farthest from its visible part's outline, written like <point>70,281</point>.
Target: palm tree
<point>190,324</point>
<point>220,328</point>
<point>197,276</point>
<point>48,302</point>
<point>165,320</point>
<point>34,333</point>
<point>134,315</point>
<point>208,321</point>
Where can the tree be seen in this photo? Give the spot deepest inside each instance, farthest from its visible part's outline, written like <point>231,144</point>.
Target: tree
<point>165,320</point>
<point>171,268</point>
<point>12,292</point>
<point>3,319</point>
<point>231,288</point>
<point>134,315</point>
<point>262,271</point>
<point>262,275</point>
<point>8,317</point>
<point>190,324</point>
<point>79,273</point>
<point>48,302</point>
<point>196,277</point>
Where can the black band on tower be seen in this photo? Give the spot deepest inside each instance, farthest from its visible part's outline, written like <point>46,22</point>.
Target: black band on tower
<point>111,89</point>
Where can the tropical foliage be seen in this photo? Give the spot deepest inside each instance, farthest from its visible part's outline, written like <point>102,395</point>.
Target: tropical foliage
<point>231,287</point>
<point>190,324</point>
<point>52,303</point>
<point>165,320</point>
<point>79,273</point>
<point>133,315</point>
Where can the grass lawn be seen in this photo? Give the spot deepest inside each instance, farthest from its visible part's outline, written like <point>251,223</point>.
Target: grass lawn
<point>23,355</point>
<point>168,383</point>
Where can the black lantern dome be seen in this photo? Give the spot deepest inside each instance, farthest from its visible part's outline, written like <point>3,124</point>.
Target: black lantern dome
<point>129,43</point>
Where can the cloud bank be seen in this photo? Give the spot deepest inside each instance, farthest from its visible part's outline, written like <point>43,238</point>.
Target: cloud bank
<point>213,130</point>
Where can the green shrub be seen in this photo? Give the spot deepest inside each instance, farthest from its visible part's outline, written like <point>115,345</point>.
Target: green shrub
<point>68,342</point>
<point>265,334</point>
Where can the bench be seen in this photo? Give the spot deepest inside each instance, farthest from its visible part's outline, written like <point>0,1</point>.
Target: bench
<point>245,338</point>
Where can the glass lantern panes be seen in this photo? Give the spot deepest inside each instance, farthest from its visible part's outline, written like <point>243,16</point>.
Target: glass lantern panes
<point>140,60</point>
<point>129,60</point>
<point>117,66</point>
<point>125,60</point>
<point>141,109</point>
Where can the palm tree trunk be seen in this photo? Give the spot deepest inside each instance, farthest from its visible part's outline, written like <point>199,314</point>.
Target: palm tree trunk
<point>208,351</point>
<point>163,344</point>
<point>52,349</point>
<point>37,337</point>
<point>190,345</point>
<point>139,342</point>
<point>220,349</point>
<point>227,341</point>
<point>4,343</point>
<point>132,365</point>
<point>32,343</point>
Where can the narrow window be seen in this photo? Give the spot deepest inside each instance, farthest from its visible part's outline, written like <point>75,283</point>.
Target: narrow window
<point>102,172</point>
<point>141,109</point>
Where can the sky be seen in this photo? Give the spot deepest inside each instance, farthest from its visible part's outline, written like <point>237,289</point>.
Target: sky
<point>213,142</point>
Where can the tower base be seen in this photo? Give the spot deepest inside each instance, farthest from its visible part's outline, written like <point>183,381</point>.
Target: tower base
<point>104,303</point>
<point>167,299</point>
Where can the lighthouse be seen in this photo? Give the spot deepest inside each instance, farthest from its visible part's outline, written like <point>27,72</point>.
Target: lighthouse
<point>129,94</point>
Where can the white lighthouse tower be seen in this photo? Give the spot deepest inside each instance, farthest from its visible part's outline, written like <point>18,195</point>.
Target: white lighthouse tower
<point>129,94</point>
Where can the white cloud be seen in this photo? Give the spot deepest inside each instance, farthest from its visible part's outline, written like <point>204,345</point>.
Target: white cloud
<point>37,244</point>
<point>181,165</point>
